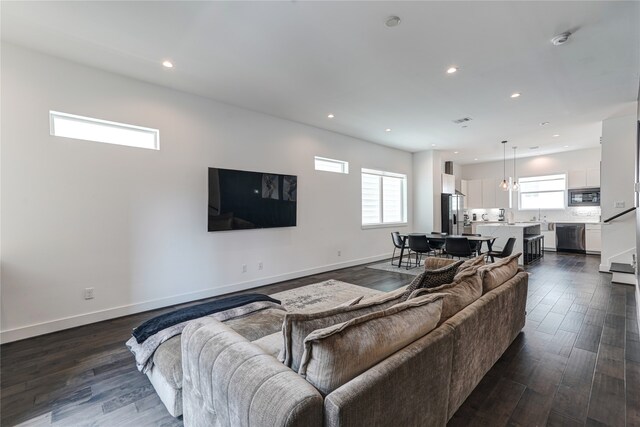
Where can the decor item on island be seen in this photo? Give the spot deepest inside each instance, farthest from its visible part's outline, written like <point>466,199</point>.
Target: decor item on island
<point>504,185</point>
<point>240,200</point>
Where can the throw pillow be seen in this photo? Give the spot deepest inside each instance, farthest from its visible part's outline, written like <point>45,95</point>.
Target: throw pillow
<point>433,278</point>
<point>335,355</point>
<point>471,263</point>
<point>465,289</point>
<point>434,263</point>
<point>495,274</point>
<point>296,326</point>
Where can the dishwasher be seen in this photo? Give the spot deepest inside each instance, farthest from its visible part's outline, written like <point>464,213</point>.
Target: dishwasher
<point>570,238</point>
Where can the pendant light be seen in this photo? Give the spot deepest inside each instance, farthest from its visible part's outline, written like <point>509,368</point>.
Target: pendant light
<point>515,186</point>
<point>504,184</point>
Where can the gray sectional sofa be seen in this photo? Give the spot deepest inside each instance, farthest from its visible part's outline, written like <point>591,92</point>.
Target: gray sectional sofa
<point>231,375</point>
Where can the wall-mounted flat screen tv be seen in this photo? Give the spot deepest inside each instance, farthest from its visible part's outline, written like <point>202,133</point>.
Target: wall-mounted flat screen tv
<point>240,200</point>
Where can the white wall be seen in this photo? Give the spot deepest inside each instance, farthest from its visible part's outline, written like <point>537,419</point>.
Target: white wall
<point>132,222</point>
<point>618,177</point>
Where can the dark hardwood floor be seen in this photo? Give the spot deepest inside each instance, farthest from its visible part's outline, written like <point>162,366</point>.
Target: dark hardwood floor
<point>577,362</point>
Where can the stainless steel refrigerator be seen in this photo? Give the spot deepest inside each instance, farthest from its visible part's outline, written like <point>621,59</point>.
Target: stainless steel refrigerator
<point>452,213</point>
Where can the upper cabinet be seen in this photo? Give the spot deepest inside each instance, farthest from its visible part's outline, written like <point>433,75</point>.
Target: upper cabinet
<point>593,177</point>
<point>577,178</point>
<point>484,194</point>
<point>474,193</point>
<point>584,178</point>
<point>489,187</point>
<point>448,184</point>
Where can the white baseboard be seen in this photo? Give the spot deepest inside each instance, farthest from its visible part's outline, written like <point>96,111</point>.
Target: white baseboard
<point>29,331</point>
<point>604,268</point>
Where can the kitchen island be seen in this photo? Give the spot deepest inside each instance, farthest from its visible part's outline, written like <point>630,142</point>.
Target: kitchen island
<point>522,231</point>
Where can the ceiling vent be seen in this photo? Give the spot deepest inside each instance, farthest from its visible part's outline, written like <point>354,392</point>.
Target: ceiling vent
<point>462,120</point>
<point>561,39</point>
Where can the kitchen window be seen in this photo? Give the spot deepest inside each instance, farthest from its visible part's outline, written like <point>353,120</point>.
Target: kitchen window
<point>543,192</point>
<point>384,198</point>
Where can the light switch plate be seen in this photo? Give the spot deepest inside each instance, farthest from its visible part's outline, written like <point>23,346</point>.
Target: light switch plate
<point>618,204</point>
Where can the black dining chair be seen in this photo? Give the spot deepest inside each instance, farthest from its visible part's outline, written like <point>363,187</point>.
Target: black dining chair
<point>476,245</point>
<point>419,245</point>
<point>505,252</point>
<point>398,243</point>
<point>458,247</point>
<point>437,245</point>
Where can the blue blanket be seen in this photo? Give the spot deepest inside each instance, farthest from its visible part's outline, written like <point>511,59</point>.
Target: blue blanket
<point>158,323</point>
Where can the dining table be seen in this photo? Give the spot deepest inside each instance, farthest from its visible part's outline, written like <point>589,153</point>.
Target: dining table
<point>441,237</point>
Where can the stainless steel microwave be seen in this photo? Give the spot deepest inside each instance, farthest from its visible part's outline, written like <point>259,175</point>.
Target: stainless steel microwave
<point>584,197</point>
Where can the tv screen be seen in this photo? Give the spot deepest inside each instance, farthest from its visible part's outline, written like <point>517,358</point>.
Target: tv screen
<point>240,200</point>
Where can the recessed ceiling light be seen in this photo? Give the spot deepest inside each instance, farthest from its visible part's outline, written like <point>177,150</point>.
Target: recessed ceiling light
<point>475,159</point>
<point>544,123</point>
<point>433,145</point>
<point>515,95</point>
<point>167,64</point>
<point>456,152</point>
<point>331,116</point>
<point>555,135</point>
<point>566,146</point>
<point>452,70</point>
<point>392,21</point>
<point>387,130</point>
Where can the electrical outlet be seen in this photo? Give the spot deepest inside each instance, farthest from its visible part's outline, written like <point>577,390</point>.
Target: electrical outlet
<point>618,204</point>
<point>244,268</point>
<point>260,265</point>
<point>339,253</point>
<point>88,293</point>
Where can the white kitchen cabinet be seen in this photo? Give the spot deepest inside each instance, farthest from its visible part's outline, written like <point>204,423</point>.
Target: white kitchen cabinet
<point>489,188</point>
<point>464,188</point>
<point>593,238</point>
<point>474,193</point>
<point>448,184</point>
<point>502,197</point>
<point>549,240</point>
<point>578,178</point>
<point>593,177</point>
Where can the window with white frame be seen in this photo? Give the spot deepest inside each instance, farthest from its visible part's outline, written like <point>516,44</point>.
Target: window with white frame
<point>384,198</point>
<point>331,165</point>
<point>90,129</point>
<point>543,192</point>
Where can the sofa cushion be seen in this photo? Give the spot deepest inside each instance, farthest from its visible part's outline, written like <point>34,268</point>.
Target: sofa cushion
<point>433,278</point>
<point>472,263</point>
<point>465,289</point>
<point>167,360</point>
<point>271,344</point>
<point>434,263</point>
<point>296,326</point>
<point>257,325</point>
<point>336,354</point>
<point>495,274</point>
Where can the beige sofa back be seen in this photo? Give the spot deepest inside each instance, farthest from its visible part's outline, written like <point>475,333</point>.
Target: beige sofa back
<point>481,334</point>
<point>230,381</point>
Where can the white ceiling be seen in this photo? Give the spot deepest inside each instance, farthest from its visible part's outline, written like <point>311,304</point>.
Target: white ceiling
<point>303,60</point>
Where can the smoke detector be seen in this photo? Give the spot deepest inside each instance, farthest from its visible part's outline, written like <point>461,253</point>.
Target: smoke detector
<point>561,38</point>
<point>392,21</point>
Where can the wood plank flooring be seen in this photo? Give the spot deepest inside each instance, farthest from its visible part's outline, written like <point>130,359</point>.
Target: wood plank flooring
<point>577,362</point>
